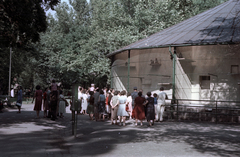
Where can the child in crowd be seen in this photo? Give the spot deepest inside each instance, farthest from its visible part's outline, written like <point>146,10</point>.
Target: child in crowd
<point>54,86</point>
<point>155,96</point>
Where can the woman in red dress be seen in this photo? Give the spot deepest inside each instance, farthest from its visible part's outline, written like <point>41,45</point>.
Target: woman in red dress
<point>138,111</point>
<point>38,101</point>
<point>45,102</point>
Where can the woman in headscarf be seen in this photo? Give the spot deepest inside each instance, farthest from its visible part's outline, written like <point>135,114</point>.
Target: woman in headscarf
<point>150,109</point>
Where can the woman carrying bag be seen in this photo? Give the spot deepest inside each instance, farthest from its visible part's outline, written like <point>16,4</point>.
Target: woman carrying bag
<point>62,104</point>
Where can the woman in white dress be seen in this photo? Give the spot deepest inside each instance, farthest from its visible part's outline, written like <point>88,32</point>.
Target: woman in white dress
<point>62,104</point>
<point>114,107</point>
<point>122,107</point>
<point>84,101</point>
<point>129,104</point>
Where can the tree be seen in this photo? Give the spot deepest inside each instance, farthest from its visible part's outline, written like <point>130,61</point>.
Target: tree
<point>22,66</point>
<point>68,55</point>
<point>117,23</point>
<point>22,20</point>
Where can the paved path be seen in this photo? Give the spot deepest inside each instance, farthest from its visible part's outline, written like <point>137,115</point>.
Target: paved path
<point>21,135</point>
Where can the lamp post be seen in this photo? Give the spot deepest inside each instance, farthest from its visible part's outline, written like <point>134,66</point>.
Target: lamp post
<point>9,83</point>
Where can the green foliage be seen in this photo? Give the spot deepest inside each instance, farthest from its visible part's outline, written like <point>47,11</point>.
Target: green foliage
<point>67,54</point>
<point>75,41</point>
<point>22,21</point>
<point>21,67</point>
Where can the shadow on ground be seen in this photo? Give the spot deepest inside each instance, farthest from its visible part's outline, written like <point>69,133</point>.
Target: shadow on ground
<point>23,134</point>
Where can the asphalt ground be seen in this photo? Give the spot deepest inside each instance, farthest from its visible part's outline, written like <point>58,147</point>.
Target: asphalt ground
<point>23,135</point>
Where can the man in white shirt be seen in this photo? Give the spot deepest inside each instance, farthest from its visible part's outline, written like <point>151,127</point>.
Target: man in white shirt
<point>12,93</point>
<point>162,96</point>
<point>80,97</point>
<point>92,88</point>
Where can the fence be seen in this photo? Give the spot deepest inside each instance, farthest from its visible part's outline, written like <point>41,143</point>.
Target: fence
<point>203,110</point>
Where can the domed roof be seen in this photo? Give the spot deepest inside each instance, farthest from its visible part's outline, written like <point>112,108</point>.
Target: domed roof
<point>219,25</point>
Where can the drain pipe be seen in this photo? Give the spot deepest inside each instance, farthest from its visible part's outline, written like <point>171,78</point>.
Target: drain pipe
<point>111,77</point>
<point>174,71</point>
<point>128,69</point>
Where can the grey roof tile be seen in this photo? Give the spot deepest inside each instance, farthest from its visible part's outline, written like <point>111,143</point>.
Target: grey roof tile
<point>236,35</point>
<point>225,35</point>
<point>217,25</point>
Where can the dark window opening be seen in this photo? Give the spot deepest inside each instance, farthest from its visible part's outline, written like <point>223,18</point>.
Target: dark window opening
<point>234,69</point>
<point>204,82</point>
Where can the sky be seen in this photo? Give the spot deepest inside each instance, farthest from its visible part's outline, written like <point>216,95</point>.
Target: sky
<point>53,12</point>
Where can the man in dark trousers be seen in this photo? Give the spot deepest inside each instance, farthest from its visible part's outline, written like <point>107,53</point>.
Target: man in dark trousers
<point>96,97</point>
<point>54,103</point>
<point>134,95</point>
<point>48,102</point>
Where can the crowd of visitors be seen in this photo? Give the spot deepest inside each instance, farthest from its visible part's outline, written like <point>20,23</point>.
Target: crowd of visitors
<point>101,104</point>
<point>118,106</point>
<point>51,100</point>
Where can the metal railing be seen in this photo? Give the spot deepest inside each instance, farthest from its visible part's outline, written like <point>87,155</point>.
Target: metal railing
<point>204,109</point>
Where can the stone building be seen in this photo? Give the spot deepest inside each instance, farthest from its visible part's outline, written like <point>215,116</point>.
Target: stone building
<point>197,59</point>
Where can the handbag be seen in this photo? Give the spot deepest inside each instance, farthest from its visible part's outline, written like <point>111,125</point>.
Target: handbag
<point>127,108</point>
<point>18,104</point>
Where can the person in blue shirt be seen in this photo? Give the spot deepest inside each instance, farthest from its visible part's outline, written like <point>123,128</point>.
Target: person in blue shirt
<point>134,94</point>
<point>101,105</point>
<point>19,99</point>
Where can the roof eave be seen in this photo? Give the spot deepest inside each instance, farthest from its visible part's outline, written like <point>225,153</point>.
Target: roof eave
<point>173,45</point>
